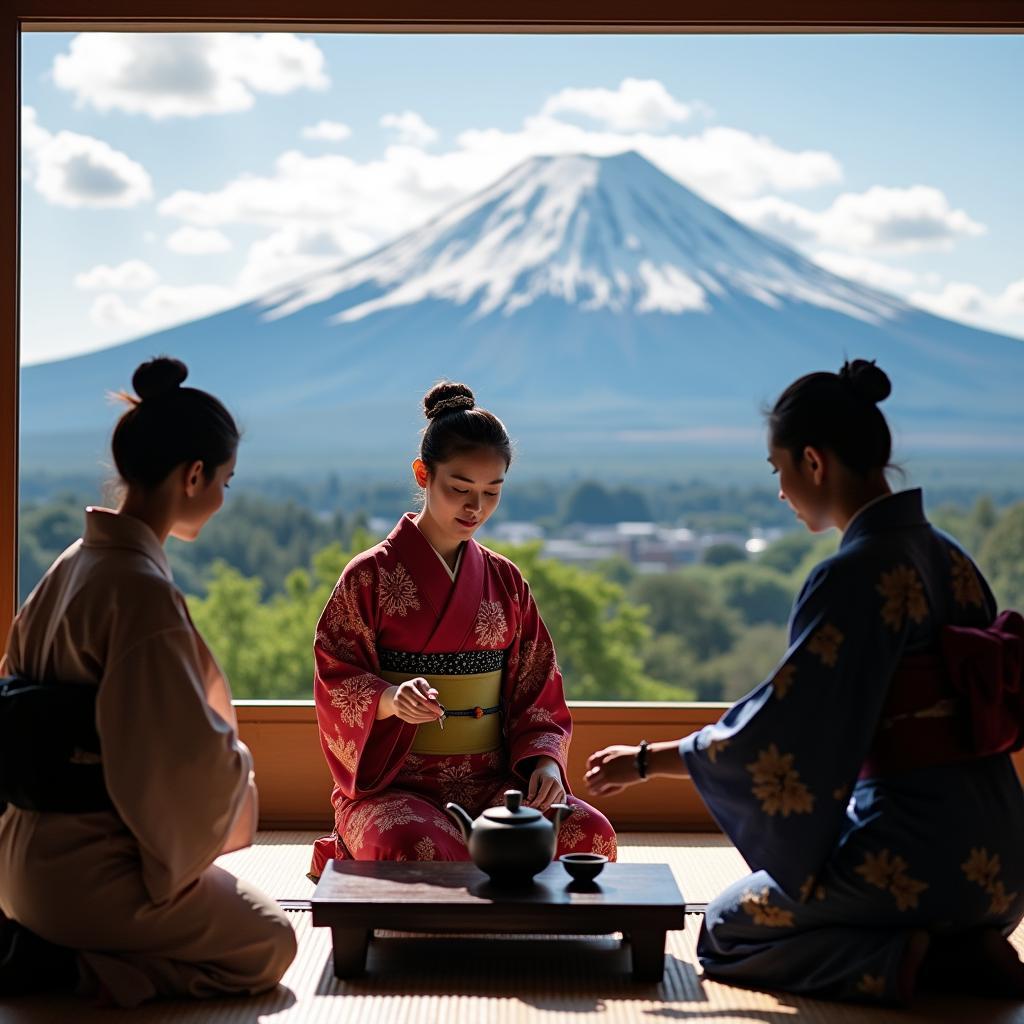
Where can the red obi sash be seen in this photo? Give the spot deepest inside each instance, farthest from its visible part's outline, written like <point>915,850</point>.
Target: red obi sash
<point>963,702</point>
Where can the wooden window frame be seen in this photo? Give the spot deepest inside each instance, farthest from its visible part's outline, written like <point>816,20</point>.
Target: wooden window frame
<point>295,789</point>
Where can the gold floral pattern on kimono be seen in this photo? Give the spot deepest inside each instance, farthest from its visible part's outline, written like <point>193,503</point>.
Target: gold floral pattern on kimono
<point>397,592</point>
<point>966,586</point>
<point>904,597</point>
<point>872,985</point>
<point>808,889</point>
<point>536,663</point>
<point>757,907</point>
<point>446,825</point>
<point>490,626</point>
<point>783,680</point>
<point>777,784</point>
<point>825,644</point>
<point>345,751</point>
<point>984,869</point>
<point>382,815</point>
<point>714,748</point>
<point>339,649</point>
<point>353,697</point>
<point>887,871</point>
<point>554,744</point>
<point>539,716</point>
<point>425,849</point>
<point>458,782</point>
<point>605,847</point>
<point>342,616</point>
<point>570,834</point>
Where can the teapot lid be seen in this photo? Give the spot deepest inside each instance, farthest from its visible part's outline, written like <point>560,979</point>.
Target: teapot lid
<point>513,813</point>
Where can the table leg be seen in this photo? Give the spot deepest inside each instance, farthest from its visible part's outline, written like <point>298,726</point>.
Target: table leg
<point>648,951</point>
<point>350,950</point>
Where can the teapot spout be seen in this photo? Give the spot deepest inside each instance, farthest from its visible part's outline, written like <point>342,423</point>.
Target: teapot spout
<point>562,811</point>
<point>462,819</point>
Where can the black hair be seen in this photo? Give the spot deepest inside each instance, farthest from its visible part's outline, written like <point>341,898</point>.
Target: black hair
<point>456,424</point>
<point>166,425</point>
<point>838,412</point>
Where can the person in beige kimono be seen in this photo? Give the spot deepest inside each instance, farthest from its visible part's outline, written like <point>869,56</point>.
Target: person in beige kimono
<point>128,902</point>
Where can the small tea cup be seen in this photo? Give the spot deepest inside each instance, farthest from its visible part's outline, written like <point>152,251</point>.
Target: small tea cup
<point>584,867</point>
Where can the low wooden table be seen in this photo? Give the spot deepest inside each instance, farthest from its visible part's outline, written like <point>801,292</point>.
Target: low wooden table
<point>353,898</point>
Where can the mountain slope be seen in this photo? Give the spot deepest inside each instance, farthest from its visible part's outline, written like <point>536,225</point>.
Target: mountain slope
<point>596,304</point>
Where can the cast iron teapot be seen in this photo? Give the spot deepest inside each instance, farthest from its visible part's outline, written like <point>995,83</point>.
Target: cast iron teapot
<point>511,843</point>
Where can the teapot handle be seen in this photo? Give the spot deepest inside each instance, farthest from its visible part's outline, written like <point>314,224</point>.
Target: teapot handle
<point>562,811</point>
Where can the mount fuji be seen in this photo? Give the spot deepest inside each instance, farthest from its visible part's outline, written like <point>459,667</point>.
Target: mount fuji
<point>597,305</point>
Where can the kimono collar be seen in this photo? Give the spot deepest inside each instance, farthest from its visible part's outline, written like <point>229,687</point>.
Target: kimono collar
<point>889,512</point>
<point>105,528</point>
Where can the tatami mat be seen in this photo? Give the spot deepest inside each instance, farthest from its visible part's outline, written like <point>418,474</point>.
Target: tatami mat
<point>504,981</point>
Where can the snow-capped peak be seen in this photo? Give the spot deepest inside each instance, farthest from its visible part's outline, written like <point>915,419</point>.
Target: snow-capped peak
<point>610,233</point>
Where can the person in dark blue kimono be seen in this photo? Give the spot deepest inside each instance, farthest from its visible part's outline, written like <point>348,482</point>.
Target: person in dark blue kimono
<point>868,782</point>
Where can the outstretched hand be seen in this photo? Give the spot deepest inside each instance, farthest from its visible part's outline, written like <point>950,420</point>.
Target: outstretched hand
<point>611,770</point>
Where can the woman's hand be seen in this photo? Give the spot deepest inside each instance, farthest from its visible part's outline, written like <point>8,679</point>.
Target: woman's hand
<point>545,786</point>
<point>611,770</point>
<point>414,701</point>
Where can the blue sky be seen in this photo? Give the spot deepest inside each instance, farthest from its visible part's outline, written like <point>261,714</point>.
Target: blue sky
<point>167,176</point>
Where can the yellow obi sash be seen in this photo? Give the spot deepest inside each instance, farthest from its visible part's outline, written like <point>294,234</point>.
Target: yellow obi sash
<point>459,688</point>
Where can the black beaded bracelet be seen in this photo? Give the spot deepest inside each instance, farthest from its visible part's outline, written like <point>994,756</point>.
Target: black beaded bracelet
<point>641,760</point>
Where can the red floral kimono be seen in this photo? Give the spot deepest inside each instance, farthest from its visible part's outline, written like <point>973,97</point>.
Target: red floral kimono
<point>395,614</point>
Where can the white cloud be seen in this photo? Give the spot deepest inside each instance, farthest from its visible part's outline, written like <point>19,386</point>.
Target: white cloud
<point>411,128</point>
<point>295,250</point>
<point>164,306</point>
<point>79,170</point>
<point>33,135</point>
<point>198,241</point>
<point>376,200</point>
<point>884,219</point>
<point>132,275</point>
<point>185,75</point>
<point>867,271</point>
<point>327,131</point>
<point>637,105</point>
<point>1000,311</point>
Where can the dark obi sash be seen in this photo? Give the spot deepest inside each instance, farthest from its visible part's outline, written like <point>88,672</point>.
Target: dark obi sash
<point>961,702</point>
<point>49,747</point>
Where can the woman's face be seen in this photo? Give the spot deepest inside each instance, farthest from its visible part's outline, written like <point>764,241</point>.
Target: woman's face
<point>462,493</point>
<point>202,498</point>
<point>802,486</point>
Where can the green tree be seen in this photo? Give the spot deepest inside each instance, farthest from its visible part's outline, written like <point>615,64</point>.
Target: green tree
<point>596,630</point>
<point>735,673</point>
<point>758,593</point>
<point>592,502</point>
<point>686,604</point>
<point>266,648</point>
<point>723,554</point>
<point>786,554</point>
<point>1002,558</point>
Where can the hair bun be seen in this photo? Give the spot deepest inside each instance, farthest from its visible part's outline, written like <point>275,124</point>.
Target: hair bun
<point>866,379</point>
<point>447,396</point>
<point>158,377</point>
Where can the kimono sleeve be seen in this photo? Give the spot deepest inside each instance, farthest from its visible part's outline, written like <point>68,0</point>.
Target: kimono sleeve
<point>539,720</point>
<point>364,754</point>
<point>174,768</point>
<point>778,768</point>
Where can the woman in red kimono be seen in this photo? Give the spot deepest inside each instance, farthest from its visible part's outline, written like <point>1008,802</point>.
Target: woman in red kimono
<point>436,679</point>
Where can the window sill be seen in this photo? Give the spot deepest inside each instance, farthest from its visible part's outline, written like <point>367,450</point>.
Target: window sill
<point>295,785</point>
